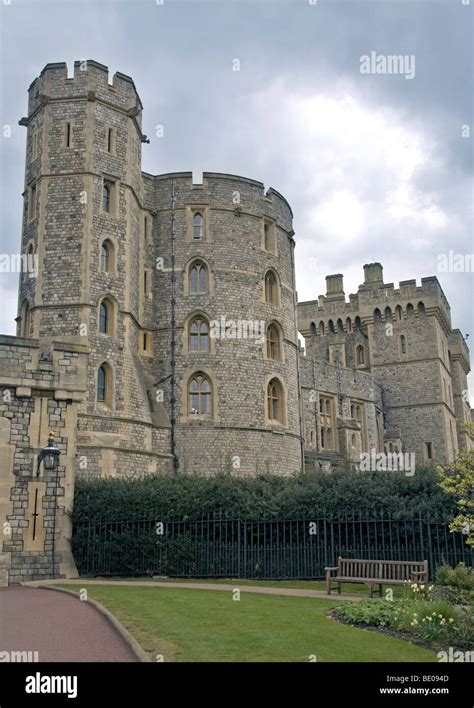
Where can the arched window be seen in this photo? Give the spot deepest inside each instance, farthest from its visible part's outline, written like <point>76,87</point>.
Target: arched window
<point>357,323</point>
<point>198,278</point>
<point>275,401</point>
<point>104,384</point>
<point>311,437</point>
<point>273,342</point>
<point>421,308</point>
<point>340,325</point>
<point>271,288</point>
<point>105,316</point>
<point>410,310</point>
<point>399,313</point>
<point>198,335</point>
<point>360,355</point>
<point>403,344</point>
<point>331,327</point>
<point>106,256</point>
<point>388,313</point>
<point>106,197</point>
<point>197,226</point>
<point>25,322</point>
<point>199,395</point>
<point>349,324</point>
<point>377,315</point>
<point>312,329</point>
<point>321,328</point>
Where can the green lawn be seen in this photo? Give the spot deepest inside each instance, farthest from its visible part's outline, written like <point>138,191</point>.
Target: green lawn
<point>347,588</point>
<point>205,625</point>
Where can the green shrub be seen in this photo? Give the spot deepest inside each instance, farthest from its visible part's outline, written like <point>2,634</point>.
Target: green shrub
<point>263,496</point>
<point>460,577</point>
<point>436,622</point>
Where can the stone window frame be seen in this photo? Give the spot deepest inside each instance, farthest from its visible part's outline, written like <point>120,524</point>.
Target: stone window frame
<point>112,256</point>
<point>281,339</point>
<point>32,201</point>
<point>187,416</point>
<point>354,402</point>
<point>108,400</point>
<point>191,211</point>
<point>34,143</point>
<point>68,133</point>
<point>145,340</point>
<point>25,319</point>
<point>428,455</point>
<point>111,302</point>
<point>269,236</point>
<point>187,277</point>
<point>324,417</point>
<point>111,140</point>
<point>147,283</point>
<point>196,313</point>
<point>277,301</point>
<point>402,345</point>
<point>276,422</point>
<point>360,347</point>
<point>113,186</point>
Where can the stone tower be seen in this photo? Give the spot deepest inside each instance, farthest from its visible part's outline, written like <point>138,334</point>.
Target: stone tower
<point>403,338</point>
<point>143,270</point>
<point>83,219</point>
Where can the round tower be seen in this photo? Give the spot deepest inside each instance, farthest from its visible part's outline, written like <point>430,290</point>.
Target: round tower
<point>226,348</point>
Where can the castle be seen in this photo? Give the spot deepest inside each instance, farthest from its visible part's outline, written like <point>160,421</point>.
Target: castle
<point>158,332</point>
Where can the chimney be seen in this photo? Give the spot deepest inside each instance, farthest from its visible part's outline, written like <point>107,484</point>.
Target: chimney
<point>373,273</point>
<point>334,287</point>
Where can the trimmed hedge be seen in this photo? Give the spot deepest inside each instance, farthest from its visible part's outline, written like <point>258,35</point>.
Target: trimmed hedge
<point>264,497</point>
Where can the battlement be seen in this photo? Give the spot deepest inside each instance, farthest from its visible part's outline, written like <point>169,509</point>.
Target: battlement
<point>90,81</point>
<point>225,191</point>
<point>372,295</point>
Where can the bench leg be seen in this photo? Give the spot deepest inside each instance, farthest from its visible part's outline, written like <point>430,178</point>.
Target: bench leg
<point>380,589</point>
<point>328,586</point>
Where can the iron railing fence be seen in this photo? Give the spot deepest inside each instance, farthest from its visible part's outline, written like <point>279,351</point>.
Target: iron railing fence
<point>217,546</point>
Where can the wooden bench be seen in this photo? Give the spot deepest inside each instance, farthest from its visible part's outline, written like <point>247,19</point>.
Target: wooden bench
<point>375,572</point>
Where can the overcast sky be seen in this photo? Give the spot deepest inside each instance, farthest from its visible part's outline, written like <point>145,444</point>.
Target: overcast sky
<point>374,166</point>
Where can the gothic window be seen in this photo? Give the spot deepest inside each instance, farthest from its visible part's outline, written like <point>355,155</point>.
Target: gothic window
<point>377,315</point>
<point>198,278</point>
<point>275,401</point>
<point>410,310</point>
<point>331,326</point>
<point>106,197</point>
<point>388,313</point>
<point>321,328</point>
<point>273,342</point>
<point>104,384</point>
<point>32,202</point>
<point>399,312</point>
<point>312,329</point>
<point>197,226</point>
<point>199,395</point>
<point>106,316</point>
<point>271,288</point>
<point>349,324</point>
<point>106,256</point>
<point>198,335</point>
<point>360,355</point>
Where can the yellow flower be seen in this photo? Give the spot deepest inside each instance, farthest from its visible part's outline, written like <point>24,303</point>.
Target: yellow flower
<point>451,619</point>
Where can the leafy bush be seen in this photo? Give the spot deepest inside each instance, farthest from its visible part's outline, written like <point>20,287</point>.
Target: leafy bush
<point>460,577</point>
<point>436,622</point>
<point>264,496</point>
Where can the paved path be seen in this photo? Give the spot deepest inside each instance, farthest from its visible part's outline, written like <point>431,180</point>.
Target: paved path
<point>264,590</point>
<point>58,626</point>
